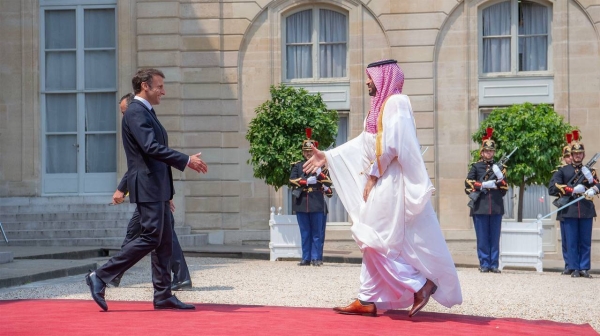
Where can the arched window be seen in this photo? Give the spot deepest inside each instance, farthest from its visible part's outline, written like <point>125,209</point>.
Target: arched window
<point>515,37</point>
<point>316,44</point>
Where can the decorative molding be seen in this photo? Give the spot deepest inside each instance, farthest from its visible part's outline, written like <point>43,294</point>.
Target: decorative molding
<point>502,92</point>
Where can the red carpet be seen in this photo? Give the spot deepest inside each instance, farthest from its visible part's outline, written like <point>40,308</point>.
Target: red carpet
<point>82,317</point>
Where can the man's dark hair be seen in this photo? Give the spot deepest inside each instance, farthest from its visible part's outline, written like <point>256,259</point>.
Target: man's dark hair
<point>144,75</point>
<point>128,98</point>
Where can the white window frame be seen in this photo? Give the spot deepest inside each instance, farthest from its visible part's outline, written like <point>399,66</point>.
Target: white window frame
<point>514,42</point>
<point>315,46</point>
<point>78,6</point>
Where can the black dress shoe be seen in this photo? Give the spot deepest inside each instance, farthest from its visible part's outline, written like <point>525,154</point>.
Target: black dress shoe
<point>97,287</point>
<point>575,274</point>
<point>115,282</point>
<point>567,272</point>
<point>304,263</point>
<point>172,303</point>
<point>585,274</point>
<point>484,269</point>
<point>316,263</point>
<point>495,270</point>
<point>185,284</point>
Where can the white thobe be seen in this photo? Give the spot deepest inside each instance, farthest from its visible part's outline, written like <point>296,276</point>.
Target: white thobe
<point>396,228</point>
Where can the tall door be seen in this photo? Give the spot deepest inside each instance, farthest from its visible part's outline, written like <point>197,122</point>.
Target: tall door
<point>78,99</point>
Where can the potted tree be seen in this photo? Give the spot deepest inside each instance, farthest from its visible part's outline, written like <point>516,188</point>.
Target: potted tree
<point>539,133</point>
<point>275,135</point>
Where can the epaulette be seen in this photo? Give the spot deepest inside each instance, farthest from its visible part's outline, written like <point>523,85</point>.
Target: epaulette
<point>293,163</point>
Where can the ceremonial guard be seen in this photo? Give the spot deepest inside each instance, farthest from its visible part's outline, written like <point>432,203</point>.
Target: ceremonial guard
<point>566,160</point>
<point>308,202</point>
<point>570,182</point>
<point>487,179</point>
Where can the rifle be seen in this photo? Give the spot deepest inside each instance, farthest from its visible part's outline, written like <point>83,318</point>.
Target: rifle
<point>474,196</point>
<point>575,180</point>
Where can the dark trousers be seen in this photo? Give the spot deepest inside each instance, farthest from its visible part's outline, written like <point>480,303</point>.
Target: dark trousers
<point>312,232</point>
<point>156,237</point>
<point>579,242</point>
<point>487,230</point>
<point>179,267</point>
<point>563,243</point>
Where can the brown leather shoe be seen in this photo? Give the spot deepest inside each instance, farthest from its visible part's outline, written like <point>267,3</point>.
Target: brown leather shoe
<point>422,297</point>
<point>357,308</point>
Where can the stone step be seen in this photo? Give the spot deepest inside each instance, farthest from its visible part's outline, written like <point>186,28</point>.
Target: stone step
<point>54,208</point>
<point>77,233</point>
<point>46,200</point>
<point>6,257</point>
<point>110,242</point>
<point>64,216</point>
<point>65,225</point>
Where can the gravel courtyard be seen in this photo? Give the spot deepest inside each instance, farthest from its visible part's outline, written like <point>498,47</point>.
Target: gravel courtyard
<point>515,294</point>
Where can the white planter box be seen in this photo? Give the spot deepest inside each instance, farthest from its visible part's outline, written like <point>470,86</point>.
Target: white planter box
<point>285,236</point>
<point>521,245</point>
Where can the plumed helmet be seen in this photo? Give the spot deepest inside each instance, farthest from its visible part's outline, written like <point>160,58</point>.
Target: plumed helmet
<point>576,146</point>
<point>486,141</point>
<point>309,143</point>
<point>566,151</point>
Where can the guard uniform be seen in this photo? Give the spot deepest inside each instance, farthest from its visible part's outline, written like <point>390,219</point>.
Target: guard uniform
<point>566,153</point>
<point>488,209</point>
<point>577,217</point>
<point>308,202</point>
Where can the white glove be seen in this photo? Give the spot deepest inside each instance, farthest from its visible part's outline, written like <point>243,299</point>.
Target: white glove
<point>498,172</point>
<point>326,188</point>
<point>488,185</point>
<point>318,171</point>
<point>579,189</point>
<point>588,174</point>
<point>311,180</point>
<point>590,192</point>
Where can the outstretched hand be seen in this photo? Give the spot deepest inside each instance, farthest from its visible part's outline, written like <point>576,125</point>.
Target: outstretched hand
<point>197,164</point>
<point>317,161</point>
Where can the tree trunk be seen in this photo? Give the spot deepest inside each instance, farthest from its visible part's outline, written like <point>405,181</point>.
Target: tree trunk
<point>520,205</point>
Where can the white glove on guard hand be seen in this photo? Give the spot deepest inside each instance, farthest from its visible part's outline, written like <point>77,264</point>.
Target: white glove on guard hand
<point>325,188</point>
<point>318,171</point>
<point>488,185</point>
<point>311,180</point>
<point>590,192</point>
<point>588,174</point>
<point>579,189</point>
<point>497,172</point>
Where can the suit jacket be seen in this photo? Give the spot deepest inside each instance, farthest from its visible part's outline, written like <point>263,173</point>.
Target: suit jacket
<point>149,176</point>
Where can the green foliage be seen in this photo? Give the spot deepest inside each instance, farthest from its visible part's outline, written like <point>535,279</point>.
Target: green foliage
<point>538,131</point>
<point>277,131</point>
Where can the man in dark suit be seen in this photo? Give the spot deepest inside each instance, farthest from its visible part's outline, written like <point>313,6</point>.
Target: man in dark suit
<point>181,274</point>
<point>150,185</point>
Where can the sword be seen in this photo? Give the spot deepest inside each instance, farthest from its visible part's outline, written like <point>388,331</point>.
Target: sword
<point>562,207</point>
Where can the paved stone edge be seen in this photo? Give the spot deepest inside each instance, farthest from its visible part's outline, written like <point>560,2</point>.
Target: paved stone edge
<point>58,273</point>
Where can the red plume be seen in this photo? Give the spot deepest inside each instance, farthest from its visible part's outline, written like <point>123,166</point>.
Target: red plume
<point>576,135</point>
<point>308,132</point>
<point>489,131</point>
<point>569,137</point>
